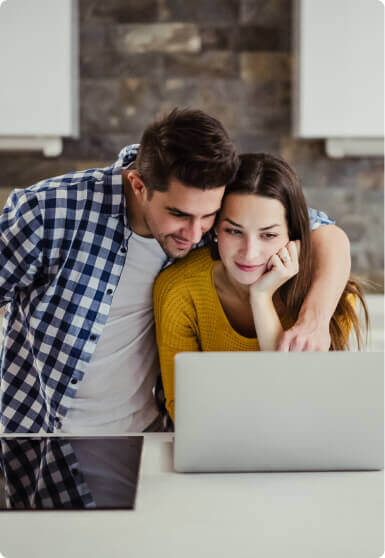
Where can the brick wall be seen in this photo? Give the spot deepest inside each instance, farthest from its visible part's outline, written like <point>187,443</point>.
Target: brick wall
<point>231,58</point>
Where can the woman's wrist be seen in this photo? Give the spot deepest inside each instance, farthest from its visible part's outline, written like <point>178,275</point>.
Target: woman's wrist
<point>261,298</point>
<point>266,320</point>
<point>262,306</point>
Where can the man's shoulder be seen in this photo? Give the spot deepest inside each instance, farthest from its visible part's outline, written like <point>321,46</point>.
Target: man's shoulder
<point>179,274</point>
<point>42,198</point>
<point>79,180</point>
<point>70,180</point>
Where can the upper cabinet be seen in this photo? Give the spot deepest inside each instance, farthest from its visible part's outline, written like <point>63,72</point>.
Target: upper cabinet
<point>39,74</point>
<point>339,74</point>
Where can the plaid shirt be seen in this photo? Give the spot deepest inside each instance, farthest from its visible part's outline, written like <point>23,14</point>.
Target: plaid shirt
<point>63,243</point>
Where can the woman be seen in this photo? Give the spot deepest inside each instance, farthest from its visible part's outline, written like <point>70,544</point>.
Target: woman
<point>240,293</point>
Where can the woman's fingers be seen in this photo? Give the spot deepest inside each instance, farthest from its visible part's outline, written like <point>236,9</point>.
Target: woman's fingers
<point>292,249</point>
<point>280,268</point>
<point>284,255</point>
<point>297,244</point>
<point>272,262</point>
<point>276,261</point>
<point>287,259</point>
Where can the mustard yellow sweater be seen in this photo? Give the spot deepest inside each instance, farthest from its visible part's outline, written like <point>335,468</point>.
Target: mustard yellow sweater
<point>189,316</point>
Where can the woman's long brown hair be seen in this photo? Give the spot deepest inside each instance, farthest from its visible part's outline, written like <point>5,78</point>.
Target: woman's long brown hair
<point>269,176</point>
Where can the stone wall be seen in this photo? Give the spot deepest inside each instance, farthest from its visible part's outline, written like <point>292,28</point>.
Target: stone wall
<point>231,58</point>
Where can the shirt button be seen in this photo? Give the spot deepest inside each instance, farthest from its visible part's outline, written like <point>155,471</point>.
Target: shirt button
<point>58,423</point>
<point>74,381</point>
<point>123,250</point>
<point>93,337</point>
<point>109,291</point>
<point>75,472</point>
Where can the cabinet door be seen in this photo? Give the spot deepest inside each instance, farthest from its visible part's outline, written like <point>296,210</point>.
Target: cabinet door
<point>38,68</point>
<point>339,69</point>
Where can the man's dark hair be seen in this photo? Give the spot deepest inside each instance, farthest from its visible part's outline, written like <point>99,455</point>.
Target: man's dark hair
<point>187,145</point>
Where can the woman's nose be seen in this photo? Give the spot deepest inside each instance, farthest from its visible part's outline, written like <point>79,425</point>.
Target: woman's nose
<point>251,248</point>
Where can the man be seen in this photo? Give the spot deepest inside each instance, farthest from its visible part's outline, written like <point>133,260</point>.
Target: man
<point>78,256</point>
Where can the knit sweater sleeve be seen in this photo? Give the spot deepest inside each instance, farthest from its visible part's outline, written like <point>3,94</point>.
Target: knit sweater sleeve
<point>176,328</point>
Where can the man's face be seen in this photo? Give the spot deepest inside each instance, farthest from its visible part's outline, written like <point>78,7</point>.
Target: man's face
<point>179,217</point>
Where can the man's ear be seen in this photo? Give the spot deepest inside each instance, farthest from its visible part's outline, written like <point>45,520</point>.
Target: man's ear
<point>137,185</point>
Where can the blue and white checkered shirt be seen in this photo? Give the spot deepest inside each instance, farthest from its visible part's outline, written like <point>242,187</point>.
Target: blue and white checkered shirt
<point>63,244</point>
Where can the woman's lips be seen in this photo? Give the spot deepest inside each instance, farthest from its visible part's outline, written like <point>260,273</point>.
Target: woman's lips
<point>248,267</point>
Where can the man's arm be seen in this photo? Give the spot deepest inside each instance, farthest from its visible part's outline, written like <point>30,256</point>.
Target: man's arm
<point>331,269</point>
<point>21,238</point>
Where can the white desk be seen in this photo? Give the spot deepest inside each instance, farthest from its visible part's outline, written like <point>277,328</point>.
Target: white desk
<point>264,515</point>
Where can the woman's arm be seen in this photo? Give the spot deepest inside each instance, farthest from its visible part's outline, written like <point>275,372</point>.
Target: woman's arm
<point>331,269</point>
<point>281,268</point>
<point>176,331</point>
<point>266,321</point>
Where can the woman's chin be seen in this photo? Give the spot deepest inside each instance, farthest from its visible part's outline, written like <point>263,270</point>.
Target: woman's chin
<point>248,277</point>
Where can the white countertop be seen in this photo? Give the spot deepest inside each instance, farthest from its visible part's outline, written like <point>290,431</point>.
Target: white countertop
<point>269,515</point>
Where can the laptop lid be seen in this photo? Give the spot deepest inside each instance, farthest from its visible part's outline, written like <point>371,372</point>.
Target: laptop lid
<point>275,411</point>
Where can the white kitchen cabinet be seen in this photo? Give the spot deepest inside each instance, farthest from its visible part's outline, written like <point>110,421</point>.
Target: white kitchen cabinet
<point>39,74</point>
<point>339,74</point>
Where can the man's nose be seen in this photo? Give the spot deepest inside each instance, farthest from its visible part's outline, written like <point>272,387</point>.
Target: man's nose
<point>195,231</point>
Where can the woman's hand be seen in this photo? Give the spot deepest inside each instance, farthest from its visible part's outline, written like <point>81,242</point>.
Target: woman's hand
<point>280,268</point>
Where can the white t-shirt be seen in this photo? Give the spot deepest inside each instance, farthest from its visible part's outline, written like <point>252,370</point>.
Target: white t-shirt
<point>115,394</point>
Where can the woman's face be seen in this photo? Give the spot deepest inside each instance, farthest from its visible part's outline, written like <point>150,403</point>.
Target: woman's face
<point>250,230</point>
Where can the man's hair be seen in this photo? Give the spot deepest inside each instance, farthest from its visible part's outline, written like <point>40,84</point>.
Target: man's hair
<point>187,145</point>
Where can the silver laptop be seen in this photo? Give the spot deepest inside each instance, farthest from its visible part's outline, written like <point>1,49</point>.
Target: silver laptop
<point>274,411</point>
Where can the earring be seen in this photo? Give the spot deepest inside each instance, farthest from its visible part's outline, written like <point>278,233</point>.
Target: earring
<point>215,239</point>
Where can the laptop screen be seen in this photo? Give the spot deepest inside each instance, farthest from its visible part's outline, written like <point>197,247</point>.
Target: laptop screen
<point>43,473</point>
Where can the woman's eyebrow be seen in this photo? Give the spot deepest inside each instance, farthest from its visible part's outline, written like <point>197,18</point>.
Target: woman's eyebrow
<point>233,222</point>
<point>240,226</point>
<point>269,227</point>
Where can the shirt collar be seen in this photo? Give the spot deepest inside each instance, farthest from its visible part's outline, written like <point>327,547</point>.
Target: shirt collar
<point>111,183</point>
